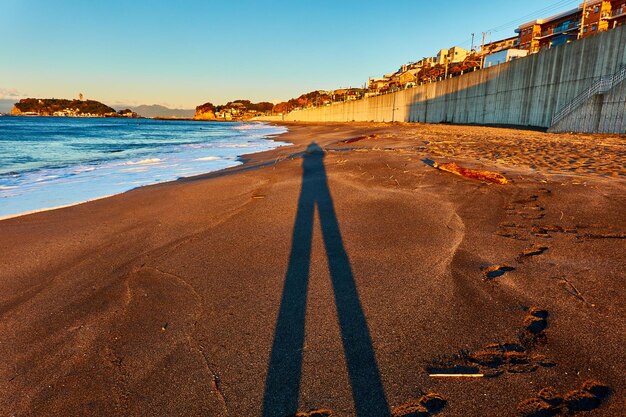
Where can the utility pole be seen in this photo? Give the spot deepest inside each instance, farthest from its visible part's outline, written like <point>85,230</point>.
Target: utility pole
<point>482,51</point>
<point>472,49</point>
<point>582,20</point>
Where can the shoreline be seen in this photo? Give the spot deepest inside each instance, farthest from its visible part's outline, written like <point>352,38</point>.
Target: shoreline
<point>12,216</point>
<point>240,159</point>
<point>247,161</point>
<point>109,307</point>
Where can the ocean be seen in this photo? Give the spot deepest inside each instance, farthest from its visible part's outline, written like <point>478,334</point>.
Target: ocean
<point>48,162</point>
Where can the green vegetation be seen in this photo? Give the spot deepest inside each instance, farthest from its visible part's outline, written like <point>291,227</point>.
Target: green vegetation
<point>318,98</point>
<point>48,106</point>
<point>262,107</point>
<point>206,107</point>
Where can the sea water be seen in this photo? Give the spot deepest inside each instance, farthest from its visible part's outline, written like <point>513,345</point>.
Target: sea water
<point>48,162</point>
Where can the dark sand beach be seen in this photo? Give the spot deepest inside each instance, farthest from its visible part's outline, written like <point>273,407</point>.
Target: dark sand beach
<point>337,279</point>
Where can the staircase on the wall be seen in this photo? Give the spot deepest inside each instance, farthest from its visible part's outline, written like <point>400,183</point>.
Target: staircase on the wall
<point>601,86</point>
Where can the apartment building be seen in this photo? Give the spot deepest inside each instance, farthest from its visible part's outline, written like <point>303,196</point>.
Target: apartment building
<point>603,15</point>
<point>452,55</point>
<point>497,46</point>
<point>553,31</point>
<point>597,16</point>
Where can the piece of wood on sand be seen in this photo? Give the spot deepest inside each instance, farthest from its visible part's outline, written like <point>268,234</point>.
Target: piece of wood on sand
<point>488,176</point>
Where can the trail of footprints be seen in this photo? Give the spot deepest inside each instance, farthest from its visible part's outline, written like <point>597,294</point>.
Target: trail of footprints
<point>515,356</point>
<point>526,209</point>
<point>520,355</point>
<point>549,402</point>
<point>527,212</point>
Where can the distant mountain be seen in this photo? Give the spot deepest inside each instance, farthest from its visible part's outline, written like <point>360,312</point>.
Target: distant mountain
<point>6,104</point>
<point>156,110</point>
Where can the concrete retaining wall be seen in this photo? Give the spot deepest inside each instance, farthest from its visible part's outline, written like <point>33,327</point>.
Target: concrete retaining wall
<point>602,113</point>
<point>524,92</point>
<point>274,118</point>
<point>613,115</point>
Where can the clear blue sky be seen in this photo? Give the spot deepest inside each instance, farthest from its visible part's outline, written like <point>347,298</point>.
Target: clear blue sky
<point>183,53</point>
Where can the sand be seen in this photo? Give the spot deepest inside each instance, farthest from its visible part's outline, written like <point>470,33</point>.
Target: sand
<point>234,294</point>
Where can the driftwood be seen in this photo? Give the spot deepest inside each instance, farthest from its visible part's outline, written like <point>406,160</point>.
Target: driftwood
<point>472,173</point>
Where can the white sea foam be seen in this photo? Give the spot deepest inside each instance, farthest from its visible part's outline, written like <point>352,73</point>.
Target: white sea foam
<point>81,170</point>
<point>46,178</point>
<point>144,161</point>
<point>208,158</point>
<point>203,148</point>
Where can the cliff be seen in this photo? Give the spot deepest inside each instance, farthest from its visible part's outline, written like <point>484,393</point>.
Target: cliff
<point>205,111</point>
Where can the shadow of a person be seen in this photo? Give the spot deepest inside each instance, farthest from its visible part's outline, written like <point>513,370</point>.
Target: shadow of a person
<point>282,385</point>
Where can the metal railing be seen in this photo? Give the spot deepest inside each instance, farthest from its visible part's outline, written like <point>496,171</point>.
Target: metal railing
<point>601,86</point>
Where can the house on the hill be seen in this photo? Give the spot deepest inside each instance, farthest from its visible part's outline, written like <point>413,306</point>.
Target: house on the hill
<point>452,55</point>
<point>500,45</point>
<point>598,16</point>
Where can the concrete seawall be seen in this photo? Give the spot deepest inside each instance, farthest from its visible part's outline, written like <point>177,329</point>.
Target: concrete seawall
<point>524,92</point>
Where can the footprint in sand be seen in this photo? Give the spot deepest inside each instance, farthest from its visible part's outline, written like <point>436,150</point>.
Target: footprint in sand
<point>533,250</point>
<point>526,209</point>
<point>549,402</point>
<point>545,230</point>
<point>532,216</point>
<point>512,231</point>
<point>495,359</point>
<point>496,271</point>
<point>527,200</point>
<point>536,320</point>
<point>427,405</point>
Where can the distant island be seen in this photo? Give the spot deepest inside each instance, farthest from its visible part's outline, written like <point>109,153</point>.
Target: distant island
<point>66,108</point>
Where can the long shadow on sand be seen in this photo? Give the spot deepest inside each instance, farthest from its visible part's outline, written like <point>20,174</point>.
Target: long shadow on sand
<point>282,385</point>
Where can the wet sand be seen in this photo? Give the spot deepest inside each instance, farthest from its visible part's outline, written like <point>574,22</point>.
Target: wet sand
<point>340,280</point>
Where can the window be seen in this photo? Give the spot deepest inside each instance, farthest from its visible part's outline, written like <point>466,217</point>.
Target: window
<point>585,30</point>
<point>597,9</point>
<point>594,27</point>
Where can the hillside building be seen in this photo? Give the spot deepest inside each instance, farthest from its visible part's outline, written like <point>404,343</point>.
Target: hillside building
<point>497,46</point>
<point>598,16</point>
<point>452,55</point>
<point>503,56</point>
